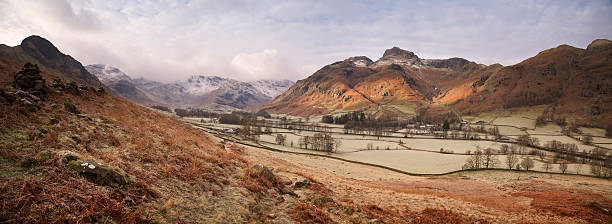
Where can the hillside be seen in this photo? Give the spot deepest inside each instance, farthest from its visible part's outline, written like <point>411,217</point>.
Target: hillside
<point>211,92</point>
<point>573,82</point>
<point>38,50</point>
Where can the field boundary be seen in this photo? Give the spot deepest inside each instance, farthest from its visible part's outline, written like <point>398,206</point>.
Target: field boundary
<point>234,140</point>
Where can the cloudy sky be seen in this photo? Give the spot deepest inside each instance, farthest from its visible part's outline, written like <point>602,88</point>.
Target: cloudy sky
<point>249,40</point>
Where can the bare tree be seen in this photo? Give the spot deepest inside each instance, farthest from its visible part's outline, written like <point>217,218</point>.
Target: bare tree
<point>281,139</point>
<point>511,159</point>
<point>504,148</point>
<point>596,168</point>
<point>546,166</point>
<point>469,164</point>
<point>490,159</point>
<point>563,167</point>
<point>478,158</point>
<point>527,163</point>
<point>587,139</point>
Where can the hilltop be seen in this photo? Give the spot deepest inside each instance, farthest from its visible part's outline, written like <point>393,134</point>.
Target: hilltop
<point>573,83</point>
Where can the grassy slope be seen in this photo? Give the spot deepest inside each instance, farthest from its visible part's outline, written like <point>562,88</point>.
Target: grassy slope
<point>172,167</point>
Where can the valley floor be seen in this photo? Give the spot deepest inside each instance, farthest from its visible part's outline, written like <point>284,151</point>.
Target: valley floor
<point>494,196</point>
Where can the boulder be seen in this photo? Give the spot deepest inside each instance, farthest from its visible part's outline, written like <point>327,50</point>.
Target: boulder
<point>285,180</point>
<point>302,183</point>
<point>100,91</point>
<point>95,172</point>
<point>266,173</point>
<point>6,98</point>
<point>57,83</point>
<point>72,88</point>
<point>70,108</point>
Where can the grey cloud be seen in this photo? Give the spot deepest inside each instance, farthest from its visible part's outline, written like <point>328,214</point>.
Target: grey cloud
<point>170,40</point>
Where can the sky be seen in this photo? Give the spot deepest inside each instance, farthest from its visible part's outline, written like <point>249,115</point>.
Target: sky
<point>251,40</point>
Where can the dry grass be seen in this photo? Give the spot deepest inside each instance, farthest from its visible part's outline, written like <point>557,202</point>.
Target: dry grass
<point>582,204</point>
<point>306,213</point>
<point>154,149</point>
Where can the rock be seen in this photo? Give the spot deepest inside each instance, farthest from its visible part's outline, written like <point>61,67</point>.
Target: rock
<point>70,108</point>
<point>55,106</point>
<point>288,191</point>
<point>53,121</point>
<point>265,172</point>
<point>72,88</point>
<point>302,183</point>
<point>28,104</point>
<point>272,215</point>
<point>94,172</point>
<point>83,89</point>
<point>285,180</point>
<point>58,84</point>
<point>6,98</point>
<point>27,95</point>
<point>29,79</point>
<point>322,200</point>
<point>100,91</point>
<point>374,221</point>
<point>595,205</point>
<point>85,116</point>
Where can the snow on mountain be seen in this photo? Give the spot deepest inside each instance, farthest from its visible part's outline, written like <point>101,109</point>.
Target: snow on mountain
<point>200,85</point>
<point>197,90</point>
<point>272,88</point>
<point>107,73</point>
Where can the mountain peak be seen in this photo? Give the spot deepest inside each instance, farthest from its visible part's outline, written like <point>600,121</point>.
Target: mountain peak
<point>360,61</point>
<point>36,43</point>
<point>399,56</point>
<point>399,53</point>
<point>600,44</point>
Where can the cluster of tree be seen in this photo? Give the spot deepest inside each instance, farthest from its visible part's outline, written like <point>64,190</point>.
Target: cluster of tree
<point>431,116</point>
<point>527,140</point>
<point>191,112</point>
<point>344,118</point>
<point>250,129</point>
<point>281,139</point>
<point>319,142</point>
<point>263,113</point>
<point>468,132</point>
<point>297,124</point>
<point>481,159</point>
<point>162,108</point>
<point>230,119</point>
<point>564,151</point>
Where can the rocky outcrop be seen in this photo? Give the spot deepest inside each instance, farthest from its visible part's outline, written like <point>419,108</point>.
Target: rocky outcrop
<point>451,63</point>
<point>399,56</point>
<point>95,172</point>
<point>360,61</point>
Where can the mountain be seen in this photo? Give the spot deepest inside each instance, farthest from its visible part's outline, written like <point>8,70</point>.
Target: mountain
<point>211,92</point>
<point>574,83</point>
<point>120,83</point>
<point>40,51</point>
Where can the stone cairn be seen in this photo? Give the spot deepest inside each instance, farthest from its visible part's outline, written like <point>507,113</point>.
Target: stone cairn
<point>29,79</point>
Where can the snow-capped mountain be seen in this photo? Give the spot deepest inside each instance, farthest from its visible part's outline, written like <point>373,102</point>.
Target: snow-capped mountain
<point>106,73</point>
<point>197,91</point>
<point>272,88</point>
